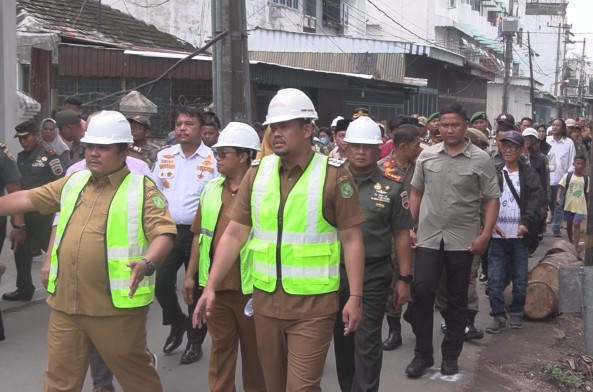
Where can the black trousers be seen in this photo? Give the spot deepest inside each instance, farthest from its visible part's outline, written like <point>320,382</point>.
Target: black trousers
<point>38,233</point>
<point>166,286</point>
<point>359,355</point>
<point>428,267</point>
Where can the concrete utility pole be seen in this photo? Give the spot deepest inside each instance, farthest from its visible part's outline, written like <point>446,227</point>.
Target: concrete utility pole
<point>231,82</point>
<point>508,59</point>
<point>531,87</point>
<point>8,64</point>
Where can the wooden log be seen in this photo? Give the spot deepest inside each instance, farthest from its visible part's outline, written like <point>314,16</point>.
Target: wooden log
<point>562,246</point>
<point>541,301</point>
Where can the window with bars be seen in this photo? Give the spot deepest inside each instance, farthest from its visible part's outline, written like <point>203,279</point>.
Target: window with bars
<point>289,3</point>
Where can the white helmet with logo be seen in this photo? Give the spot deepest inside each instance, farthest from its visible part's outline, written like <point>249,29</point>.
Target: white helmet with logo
<point>240,135</point>
<point>363,130</point>
<point>108,127</point>
<point>290,104</point>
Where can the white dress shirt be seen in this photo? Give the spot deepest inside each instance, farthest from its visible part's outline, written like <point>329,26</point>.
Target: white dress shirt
<point>564,153</point>
<point>182,179</point>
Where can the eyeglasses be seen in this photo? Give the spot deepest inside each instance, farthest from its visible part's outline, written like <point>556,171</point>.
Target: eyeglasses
<point>221,154</point>
<point>510,147</point>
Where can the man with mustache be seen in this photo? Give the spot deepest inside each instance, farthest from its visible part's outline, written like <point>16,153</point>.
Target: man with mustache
<point>301,207</point>
<point>181,172</point>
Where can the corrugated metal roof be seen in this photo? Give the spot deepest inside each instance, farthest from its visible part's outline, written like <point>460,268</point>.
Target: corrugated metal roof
<point>264,40</point>
<point>79,20</point>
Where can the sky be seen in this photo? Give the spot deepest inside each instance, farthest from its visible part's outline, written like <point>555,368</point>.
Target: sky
<point>579,13</point>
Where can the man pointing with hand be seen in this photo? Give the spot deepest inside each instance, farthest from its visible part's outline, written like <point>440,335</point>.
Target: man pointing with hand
<point>114,228</point>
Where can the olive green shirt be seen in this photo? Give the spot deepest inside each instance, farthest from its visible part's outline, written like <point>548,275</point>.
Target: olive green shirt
<point>38,167</point>
<point>385,206</point>
<point>450,205</point>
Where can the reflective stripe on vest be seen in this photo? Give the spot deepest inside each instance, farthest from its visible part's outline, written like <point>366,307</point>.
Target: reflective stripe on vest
<point>211,202</point>
<point>308,245</point>
<point>124,237</point>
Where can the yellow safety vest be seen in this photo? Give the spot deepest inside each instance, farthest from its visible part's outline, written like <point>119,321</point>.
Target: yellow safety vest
<point>211,202</point>
<point>124,237</point>
<point>300,247</point>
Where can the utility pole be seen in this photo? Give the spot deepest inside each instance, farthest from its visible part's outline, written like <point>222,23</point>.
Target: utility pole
<point>582,78</point>
<point>231,81</point>
<point>531,87</point>
<point>508,59</point>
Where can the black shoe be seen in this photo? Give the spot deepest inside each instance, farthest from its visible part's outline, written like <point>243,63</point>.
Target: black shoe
<point>417,367</point>
<point>192,353</point>
<point>449,366</point>
<point>483,277</point>
<point>174,339</point>
<point>17,295</point>
<point>393,341</point>
<point>472,333</point>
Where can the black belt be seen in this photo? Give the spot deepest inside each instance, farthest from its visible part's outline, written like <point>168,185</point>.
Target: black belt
<point>183,227</point>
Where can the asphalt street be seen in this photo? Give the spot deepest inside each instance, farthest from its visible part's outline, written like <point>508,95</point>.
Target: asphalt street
<point>23,354</point>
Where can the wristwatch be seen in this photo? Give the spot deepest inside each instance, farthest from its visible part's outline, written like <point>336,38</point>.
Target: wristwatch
<point>406,278</point>
<point>150,267</point>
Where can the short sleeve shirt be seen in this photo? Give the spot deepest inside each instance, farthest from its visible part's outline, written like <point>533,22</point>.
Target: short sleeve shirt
<point>341,211</point>
<point>452,185</point>
<point>575,201</point>
<point>83,284</point>
<point>385,207</point>
<point>39,167</point>
<point>182,179</point>
<point>9,171</point>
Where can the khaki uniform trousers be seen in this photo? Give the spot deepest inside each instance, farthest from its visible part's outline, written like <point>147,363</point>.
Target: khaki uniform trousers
<point>293,352</point>
<point>229,326</point>
<point>120,340</point>
<point>473,302</point>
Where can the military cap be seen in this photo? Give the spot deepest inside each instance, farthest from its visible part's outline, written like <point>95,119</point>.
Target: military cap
<point>140,120</point>
<point>67,117</point>
<point>422,121</point>
<point>25,128</point>
<point>342,125</point>
<point>479,116</point>
<point>432,117</point>
<point>360,112</point>
<point>207,110</point>
<point>506,118</point>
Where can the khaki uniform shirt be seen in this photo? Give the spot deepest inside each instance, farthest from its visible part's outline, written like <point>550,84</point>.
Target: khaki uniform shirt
<point>452,185</point>
<point>83,283</point>
<point>232,280</point>
<point>147,153</point>
<point>340,209</point>
<point>386,207</point>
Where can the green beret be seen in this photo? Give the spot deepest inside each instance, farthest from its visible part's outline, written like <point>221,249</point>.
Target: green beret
<point>432,117</point>
<point>479,116</point>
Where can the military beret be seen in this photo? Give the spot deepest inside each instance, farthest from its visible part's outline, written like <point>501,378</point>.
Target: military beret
<point>479,116</point>
<point>432,117</point>
<point>67,117</point>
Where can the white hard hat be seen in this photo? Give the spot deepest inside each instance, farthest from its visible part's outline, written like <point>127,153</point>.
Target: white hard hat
<point>530,132</point>
<point>108,127</point>
<point>238,134</point>
<point>335,121</point>
<point>290,104</point>
<point>363,130</point>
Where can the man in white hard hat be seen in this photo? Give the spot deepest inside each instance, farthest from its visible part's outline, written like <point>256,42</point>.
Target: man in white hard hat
<point>114,228</point>
<point>300,207</point>
<point>230,321</point>
<point>385,206</point>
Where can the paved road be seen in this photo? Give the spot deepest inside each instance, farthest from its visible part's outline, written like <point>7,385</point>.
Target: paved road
<point>23,354</point>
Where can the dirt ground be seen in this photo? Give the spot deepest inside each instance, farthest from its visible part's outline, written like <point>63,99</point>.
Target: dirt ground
<point>544,356</point>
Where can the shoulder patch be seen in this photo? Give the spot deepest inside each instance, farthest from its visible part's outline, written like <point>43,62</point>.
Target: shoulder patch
<point>255,162</point>
<point>346,190</point>
<point>56,167</point>
<point>393,176</point>
<point>335,162</point>
<point>405,200</point>
<point>158,201</point>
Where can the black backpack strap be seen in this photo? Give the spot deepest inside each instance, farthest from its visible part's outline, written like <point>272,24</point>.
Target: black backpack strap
<point>511,186</point>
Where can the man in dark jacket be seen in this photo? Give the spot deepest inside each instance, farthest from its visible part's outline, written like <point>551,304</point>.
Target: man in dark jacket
<point>539,163</point>
<point>518,215</point>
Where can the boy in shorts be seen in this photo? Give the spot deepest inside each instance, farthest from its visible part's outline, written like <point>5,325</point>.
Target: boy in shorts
<point>573,188</point>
